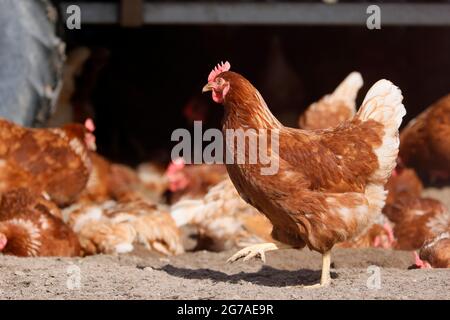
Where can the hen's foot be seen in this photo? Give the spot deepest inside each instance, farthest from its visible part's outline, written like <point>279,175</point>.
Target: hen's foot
<point>325,278</point>
<point>322,284</point>
<point>257,250</point>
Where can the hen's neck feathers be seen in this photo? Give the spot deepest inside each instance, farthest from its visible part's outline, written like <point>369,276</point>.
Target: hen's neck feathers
<point>246,108</point>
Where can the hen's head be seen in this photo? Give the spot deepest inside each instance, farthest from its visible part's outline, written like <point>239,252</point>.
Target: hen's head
<point>228,87</point>
<point>3,241</point>
<point>175,174</point>
<point>89,137</point>
<point>82,132</point>
<point>217,83</point>
<point>419,263</point>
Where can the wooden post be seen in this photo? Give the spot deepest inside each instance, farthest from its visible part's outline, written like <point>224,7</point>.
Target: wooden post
<point>131,13</point>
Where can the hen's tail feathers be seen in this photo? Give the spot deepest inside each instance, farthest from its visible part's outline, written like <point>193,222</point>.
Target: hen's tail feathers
<point>383,104</point>
<point>348,89</point>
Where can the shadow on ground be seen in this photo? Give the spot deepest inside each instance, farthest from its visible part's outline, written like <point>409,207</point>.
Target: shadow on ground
<point>266,276</point>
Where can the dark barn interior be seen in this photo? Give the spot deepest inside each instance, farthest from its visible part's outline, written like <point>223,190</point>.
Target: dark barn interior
<point>141,80</point>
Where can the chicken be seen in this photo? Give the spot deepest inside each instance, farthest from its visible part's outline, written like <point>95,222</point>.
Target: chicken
<point>192,181</point>
<point>403,183</point>
<point>223,219</point>
<point>114,227</point>
<point>425,143</point>
<point>113,181</point>
<point>322,187</point>
<point>50,161</point>
<point>30,227</point>
<point>153,178</point>
<point>333,108</point>
<point>436,252</point>
<point>416,220</point>
<point>378,235</point>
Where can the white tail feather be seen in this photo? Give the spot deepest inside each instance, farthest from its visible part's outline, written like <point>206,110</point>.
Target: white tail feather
<point>383,104</point>
<point>348,88</point>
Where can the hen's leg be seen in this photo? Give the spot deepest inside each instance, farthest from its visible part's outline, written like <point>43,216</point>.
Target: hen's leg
<point>257,250</point>
<point>325,279</point>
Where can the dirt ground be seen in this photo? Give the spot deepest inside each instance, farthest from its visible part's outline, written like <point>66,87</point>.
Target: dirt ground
<point>204,275</point>
<point>357,273</point>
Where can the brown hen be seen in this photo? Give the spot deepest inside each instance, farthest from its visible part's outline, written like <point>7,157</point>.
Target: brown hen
<point>53,162</point>
<point>425,142</point>
<point>114,227</point>
<point>192,181</point>
<point>320,187</point>
<point>437,251</point>
<point>30,227</point>
<point>416,220</point>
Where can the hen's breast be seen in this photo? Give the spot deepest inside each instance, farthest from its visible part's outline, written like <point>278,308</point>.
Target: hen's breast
<point>261,192</point>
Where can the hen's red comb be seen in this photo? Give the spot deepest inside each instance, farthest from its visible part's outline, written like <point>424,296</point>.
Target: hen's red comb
<point>176,165</point>
<point>221,67</point>
<point>89,124</point>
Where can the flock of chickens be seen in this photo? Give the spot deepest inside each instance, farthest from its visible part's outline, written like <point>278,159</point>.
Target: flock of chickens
<point>61,198</point>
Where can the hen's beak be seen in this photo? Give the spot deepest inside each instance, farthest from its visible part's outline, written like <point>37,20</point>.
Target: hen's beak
<point>207,87</point>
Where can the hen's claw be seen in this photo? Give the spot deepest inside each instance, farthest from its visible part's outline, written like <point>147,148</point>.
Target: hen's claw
<point>253,251</point>
<point>317,285</point>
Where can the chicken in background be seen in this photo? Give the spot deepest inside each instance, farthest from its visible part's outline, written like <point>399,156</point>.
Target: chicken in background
<point>192,181</point>
<point>30,227</point>
<point>153,178</point>
<point>329,186</point>
<point>379,235</point>
<point>113,181</point>
<point>416,220</point>
<point>115,227</point>
<point>403,183</point>
<point>222,218</point>
<point>414,217</point>
<point>53,161</point>
<point>435,252</point>
<point>425,142</point>
<point>334,108</point>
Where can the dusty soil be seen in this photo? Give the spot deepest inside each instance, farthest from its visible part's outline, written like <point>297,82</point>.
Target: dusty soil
<point>204,275</point>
